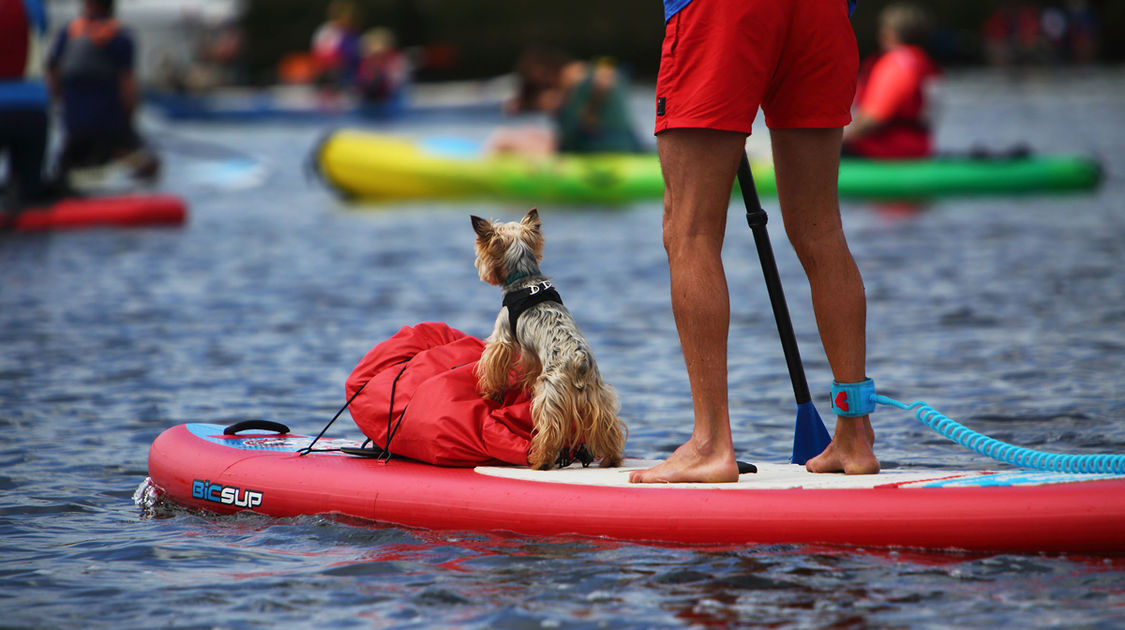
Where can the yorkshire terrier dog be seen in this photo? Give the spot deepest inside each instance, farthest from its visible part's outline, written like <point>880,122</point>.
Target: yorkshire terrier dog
<point>572,408</point>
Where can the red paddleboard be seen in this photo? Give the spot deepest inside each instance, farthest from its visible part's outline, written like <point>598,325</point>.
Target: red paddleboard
<point>117,211</point>
<point>198,466</point>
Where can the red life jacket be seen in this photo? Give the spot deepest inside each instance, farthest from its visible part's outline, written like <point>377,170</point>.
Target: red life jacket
<point>420,384</point>
<point>892,89</point>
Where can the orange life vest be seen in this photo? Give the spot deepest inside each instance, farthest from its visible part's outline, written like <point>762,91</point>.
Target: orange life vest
<point>97,31</point>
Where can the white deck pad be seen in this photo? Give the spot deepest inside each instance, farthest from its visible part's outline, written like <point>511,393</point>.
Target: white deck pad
<point>789,476</point>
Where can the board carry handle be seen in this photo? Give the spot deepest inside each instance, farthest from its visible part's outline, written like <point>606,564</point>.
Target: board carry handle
<point>263,425</point>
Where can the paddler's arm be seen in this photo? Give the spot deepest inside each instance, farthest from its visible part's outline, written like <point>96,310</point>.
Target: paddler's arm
<point>124,54</point>
<point>861,125</point>
<point>53,88</point>
<point>128,85</point>
<point>54,84</point>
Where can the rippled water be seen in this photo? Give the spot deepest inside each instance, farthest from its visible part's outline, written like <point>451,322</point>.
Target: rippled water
<point>1007,314</point>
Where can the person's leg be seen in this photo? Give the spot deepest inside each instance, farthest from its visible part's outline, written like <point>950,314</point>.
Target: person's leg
<point>76,153</point>
<point>699,166</point>
<point>130,148</point>
<point>27,141</point>
<point>806,163</point>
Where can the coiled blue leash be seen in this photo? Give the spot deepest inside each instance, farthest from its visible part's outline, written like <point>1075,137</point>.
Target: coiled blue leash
<point>859,399</point>
<point>1002,451</point>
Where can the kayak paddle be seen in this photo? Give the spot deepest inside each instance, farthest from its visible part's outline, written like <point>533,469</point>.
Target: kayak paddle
<point>810,437</point>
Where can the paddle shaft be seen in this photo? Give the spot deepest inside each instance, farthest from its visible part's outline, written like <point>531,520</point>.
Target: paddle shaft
<point>756,218</point>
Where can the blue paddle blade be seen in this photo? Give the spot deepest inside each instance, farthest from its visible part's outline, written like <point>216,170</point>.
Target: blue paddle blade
<point>809,437</point>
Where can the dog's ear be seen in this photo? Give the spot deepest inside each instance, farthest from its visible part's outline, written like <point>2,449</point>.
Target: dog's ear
<point>482,227</point>
<point>531,219</point>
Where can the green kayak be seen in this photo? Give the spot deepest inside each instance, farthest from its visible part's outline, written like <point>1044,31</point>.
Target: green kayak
<point>379,166</point>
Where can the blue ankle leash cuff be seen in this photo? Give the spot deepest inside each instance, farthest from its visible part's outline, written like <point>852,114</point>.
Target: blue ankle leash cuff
<point>853,400</point>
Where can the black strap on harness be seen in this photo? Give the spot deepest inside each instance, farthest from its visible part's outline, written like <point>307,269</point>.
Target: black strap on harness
<point>519,301</point>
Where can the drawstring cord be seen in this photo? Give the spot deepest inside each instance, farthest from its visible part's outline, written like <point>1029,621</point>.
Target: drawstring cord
<point>386,451</point>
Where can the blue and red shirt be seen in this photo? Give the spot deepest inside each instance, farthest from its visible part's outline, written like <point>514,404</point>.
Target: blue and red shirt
<point>19,20</point>
<point>672,7</point>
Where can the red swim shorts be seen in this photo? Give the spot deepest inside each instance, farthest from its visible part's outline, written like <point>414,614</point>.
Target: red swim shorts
<point>722,59</point>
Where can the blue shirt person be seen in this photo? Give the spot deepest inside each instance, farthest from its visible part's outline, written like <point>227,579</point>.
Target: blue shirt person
<point>90,68</point>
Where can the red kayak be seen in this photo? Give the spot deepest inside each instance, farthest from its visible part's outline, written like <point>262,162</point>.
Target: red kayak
<point>118,211</point>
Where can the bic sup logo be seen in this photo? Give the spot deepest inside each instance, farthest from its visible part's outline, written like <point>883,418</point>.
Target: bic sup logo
<point>227,495</point>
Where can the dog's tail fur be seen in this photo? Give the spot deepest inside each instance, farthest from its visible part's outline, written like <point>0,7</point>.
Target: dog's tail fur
<point>604,432</point>
<point>581,411</point>
<point>597,409</point>
<point>581,365</point>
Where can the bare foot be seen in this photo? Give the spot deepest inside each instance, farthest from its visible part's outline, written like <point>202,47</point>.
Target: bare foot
<point>851,450</point>
<point>690,464</point>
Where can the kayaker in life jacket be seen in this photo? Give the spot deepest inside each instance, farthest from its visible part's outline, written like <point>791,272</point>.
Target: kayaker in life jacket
<point>384,71</point>
<point>587,103</point>
<point>336,46</point>
<point>23,105</point>
<point>90,69</point>
<point>891,113</point>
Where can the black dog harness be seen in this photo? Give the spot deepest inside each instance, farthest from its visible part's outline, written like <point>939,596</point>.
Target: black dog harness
<point>519,301</point>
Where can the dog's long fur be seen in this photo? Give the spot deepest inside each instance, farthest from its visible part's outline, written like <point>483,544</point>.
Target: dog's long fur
<point>571,404</point>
